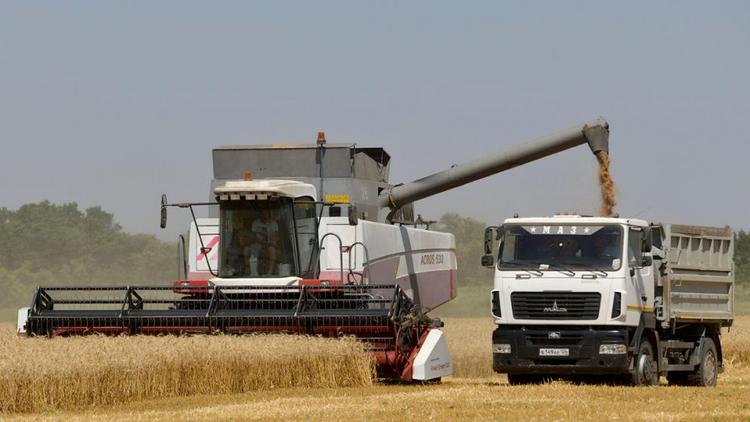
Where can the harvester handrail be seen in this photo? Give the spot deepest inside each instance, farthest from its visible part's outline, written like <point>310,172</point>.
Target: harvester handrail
<point>341,253</point>
<point>364,264</point>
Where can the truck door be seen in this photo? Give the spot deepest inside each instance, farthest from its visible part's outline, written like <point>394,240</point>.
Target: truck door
<point>641,276</point>
<point>658,254</point>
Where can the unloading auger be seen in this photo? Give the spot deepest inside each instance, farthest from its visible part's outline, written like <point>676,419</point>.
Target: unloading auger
<point>307,239</point>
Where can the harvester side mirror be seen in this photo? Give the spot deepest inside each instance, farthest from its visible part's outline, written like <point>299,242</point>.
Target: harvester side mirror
<point>488,232</point>
<point>163,221</point>
<point>352,214</point>
<point>488,261</point>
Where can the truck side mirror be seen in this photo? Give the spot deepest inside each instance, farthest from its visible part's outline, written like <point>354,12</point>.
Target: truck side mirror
<point>488,261</point>
<point>352,214</point>
<point>488,242</point>
<point>647,261</point>
<point>163,221</point>
<point>646,242</point>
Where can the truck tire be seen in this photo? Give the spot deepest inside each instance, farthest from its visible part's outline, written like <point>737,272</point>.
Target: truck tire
<point>523,379</point>
<point>644,368</point>
<point>707,371</point>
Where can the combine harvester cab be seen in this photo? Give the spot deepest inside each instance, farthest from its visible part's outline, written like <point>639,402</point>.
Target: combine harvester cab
<point>309,240</point>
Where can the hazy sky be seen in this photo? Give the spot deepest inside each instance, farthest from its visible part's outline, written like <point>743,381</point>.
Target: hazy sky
<point>112,104</point>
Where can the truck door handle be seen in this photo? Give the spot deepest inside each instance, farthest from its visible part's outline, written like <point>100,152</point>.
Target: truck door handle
<point>644,297</point>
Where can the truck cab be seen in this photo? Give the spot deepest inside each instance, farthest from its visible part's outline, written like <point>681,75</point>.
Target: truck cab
<point>577,295</point>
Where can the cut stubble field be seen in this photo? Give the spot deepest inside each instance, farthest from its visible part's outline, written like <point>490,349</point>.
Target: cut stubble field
<point>474,393</point>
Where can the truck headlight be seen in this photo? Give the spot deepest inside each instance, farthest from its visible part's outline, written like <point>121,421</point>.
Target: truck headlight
<point>501,348</point>
<point>612,349</point>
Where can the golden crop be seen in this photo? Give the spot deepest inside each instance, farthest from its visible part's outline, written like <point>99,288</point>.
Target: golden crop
<point>97,371</point>
<point>66,373</point>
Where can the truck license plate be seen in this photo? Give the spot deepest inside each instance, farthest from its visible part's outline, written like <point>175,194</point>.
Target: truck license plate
<point>554,352</point>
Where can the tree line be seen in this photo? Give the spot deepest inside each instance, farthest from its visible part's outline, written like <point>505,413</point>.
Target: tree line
<point>59,244</point>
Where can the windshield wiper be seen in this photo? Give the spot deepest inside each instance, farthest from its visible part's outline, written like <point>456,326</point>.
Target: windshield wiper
<point>593,269</point>
<point>563,269</point>
<point>519,264</point>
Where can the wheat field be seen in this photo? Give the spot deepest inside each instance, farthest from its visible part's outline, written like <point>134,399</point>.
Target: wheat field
<point>38,374</point>
<point>474,393</point>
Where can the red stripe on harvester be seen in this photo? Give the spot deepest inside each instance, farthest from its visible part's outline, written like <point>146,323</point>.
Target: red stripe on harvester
<point>214,240</point>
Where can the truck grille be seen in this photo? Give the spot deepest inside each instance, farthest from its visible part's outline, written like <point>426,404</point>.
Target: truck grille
<point>554,338</point>
<point>555,305</point>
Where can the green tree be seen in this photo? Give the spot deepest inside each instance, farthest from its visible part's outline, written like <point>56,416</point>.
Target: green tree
<point>50,244</point>
<point>742,256</point>
<point>469,235</point>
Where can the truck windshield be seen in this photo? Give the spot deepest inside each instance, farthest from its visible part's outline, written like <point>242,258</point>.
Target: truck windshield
<point>258,239</point>
<point>561,247</point>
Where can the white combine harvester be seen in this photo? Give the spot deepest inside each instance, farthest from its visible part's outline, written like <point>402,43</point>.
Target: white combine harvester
<point>308,239</point>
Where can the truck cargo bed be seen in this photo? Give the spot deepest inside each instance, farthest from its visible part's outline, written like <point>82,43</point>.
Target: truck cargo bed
<point>697,276</point>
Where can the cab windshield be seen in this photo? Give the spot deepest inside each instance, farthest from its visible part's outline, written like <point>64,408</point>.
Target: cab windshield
<point>259,238</point>
<point>561,247</point>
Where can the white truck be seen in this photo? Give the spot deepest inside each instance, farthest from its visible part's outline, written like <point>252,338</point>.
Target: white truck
<point>616,298</point>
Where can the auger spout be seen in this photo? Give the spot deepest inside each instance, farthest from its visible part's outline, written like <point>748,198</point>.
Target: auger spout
<point>595,133</point>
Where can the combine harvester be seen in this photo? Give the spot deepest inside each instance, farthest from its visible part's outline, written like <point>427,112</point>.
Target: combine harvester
<point>314,240</point>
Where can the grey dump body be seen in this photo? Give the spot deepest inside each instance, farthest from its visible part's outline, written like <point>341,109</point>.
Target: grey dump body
<point>362,173</point>
<point>697,275</point>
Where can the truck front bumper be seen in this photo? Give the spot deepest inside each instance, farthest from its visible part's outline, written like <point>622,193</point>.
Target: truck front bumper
<point>558,350</point>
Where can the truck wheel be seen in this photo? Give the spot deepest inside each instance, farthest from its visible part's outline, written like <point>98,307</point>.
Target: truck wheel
<point>644,371</point>
<point>707,371</point>
<point>522,379</point>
